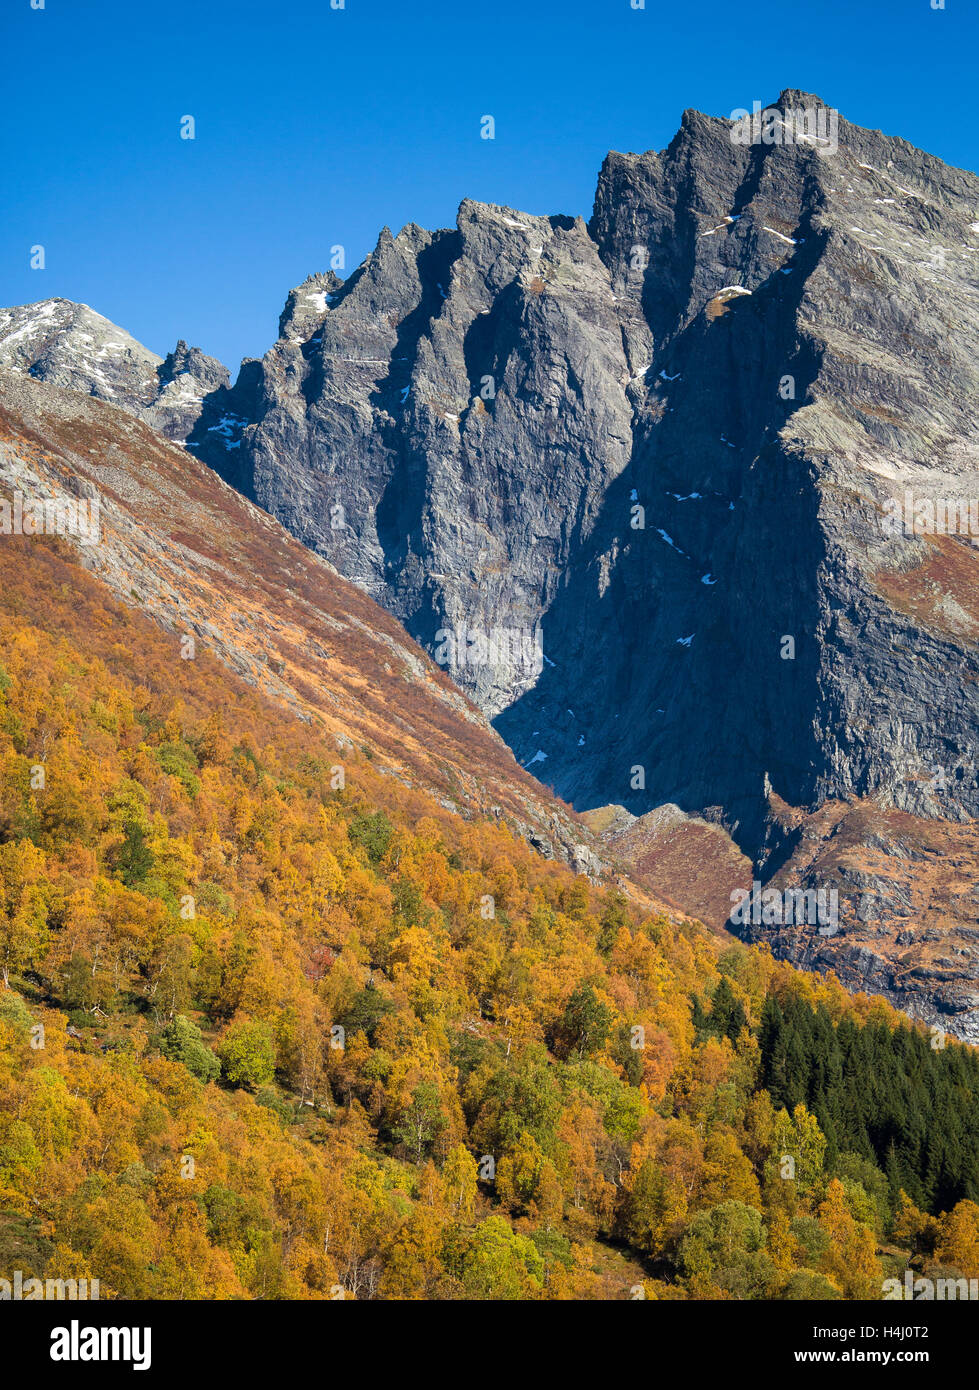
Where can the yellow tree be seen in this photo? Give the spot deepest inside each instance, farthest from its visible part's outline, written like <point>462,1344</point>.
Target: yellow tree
<point>459,1177</point>
<point>23,907</point>
<point>727,1174</point>
<point>958,1239</point>
<point>851,1258</point>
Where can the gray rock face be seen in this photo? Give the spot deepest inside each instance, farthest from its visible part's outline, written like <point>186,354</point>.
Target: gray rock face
<point>70,345</point>
<point>443,428</point>
<point>814,335</point>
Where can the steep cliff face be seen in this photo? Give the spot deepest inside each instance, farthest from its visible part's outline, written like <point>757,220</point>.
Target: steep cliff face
<point>444,427</point>
<point>812,354</point>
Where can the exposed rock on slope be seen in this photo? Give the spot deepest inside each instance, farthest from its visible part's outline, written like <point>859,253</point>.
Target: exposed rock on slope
<point>195,557</point>
<point>69,345</point>
<point>907,893</point>
<point>690,862</point>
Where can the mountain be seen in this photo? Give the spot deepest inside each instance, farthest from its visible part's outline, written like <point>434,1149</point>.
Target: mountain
<point>69,345</point>
<point>466,426</point>
<point>181,547</point>
<point>633,484</point>
<point>291,1009</point>
<point>308,989</point>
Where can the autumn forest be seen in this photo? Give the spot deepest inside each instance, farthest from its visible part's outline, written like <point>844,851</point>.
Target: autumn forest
<point>274,1024</point>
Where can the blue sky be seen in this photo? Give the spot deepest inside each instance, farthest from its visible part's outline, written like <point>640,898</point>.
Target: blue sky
<point>317,126</point>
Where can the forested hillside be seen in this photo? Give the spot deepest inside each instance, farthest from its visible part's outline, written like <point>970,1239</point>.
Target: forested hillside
<point>273,1024</point>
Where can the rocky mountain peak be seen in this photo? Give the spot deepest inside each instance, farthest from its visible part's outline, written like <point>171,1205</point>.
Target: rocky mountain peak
<point>72,346</point>
<point>307,305</point>
<point>191,361</point>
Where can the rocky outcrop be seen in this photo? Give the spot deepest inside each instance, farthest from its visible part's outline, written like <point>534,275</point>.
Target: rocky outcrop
<point>186,379</point>
<point>688,861</point>
<point>897,907</point>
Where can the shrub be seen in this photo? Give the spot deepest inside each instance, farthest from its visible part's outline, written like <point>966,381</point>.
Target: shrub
<point>248,1055</point>
<point>182,1041</point>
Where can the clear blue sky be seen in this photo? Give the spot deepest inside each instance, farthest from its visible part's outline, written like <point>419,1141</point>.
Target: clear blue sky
<point>318,126</point>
